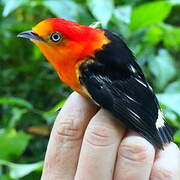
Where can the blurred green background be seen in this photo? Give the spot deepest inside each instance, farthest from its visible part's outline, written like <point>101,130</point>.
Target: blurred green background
<point>30,90</point>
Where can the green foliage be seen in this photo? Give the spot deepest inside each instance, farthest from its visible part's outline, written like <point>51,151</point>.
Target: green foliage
<point>149,13</point>
<point>12,144</point>
<point>30,91</point>
<point>163,68</point>
<point>15,101</point>
<point>99,7</point>
<point>20,170</point>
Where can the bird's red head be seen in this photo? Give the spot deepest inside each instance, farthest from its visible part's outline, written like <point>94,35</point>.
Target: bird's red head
<point>65,44</point>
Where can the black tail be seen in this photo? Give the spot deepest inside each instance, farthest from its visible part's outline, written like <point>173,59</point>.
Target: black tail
<point>165,134</point>
<point>161,136</point>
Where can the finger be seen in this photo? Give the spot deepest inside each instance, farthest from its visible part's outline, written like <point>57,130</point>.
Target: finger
<point>66,138</point>
<point>135,158</point>
<point>167,164</point>
<point>99,148</point>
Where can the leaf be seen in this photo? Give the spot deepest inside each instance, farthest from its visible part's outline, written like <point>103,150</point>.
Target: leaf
<point>123,13</point>
<point>4,177</point>
<point>149,13</point>
<point>50,115</point>
<point>171,116</point>
<point>57,106</point>
<point>177,136</point>
<point>12,144</point>
<point>21,170</point>
<point>154,35</point>
<point>16,116</point>
<point>16,101</point>
<point>102,10</point>
<point>163,68</point>
<point>66,9</point>
<point>174,2</point>
<point>172,37</point>
<point>11,5</point>
<point>172,101</point>
<point>39,130</point>
<point>173,87</point>
<point>95,24</point>
<point>62,8</point>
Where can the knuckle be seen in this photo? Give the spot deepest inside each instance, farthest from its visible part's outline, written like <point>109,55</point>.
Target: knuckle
<point>138,151</point>
<point>68,131</point>
<point>162,174</point>
<point>69,128</point>
<point>99,135</point>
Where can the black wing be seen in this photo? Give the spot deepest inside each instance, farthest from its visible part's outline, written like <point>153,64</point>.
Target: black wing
<point>116,83</point>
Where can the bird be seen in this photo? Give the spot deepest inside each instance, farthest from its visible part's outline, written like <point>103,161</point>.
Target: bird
<point>98,64</point>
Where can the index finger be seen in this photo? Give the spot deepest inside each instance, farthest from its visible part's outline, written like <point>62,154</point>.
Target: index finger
<point>66,138</point>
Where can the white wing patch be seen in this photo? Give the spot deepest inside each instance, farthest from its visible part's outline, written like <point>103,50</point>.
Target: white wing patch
<point>160,120</point>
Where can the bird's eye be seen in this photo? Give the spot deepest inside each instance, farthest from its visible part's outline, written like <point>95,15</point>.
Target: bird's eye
<point>55,37</point>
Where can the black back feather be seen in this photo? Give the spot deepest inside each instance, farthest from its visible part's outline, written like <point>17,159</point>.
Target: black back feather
<point>117,83</point>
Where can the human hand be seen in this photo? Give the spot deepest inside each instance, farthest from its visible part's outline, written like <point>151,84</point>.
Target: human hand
<point>89,144</point>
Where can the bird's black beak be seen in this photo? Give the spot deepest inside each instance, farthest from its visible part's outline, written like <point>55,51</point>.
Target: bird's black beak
<point>30,35</point>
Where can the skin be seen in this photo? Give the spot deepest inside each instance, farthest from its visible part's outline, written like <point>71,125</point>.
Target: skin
<point>88,143</point>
